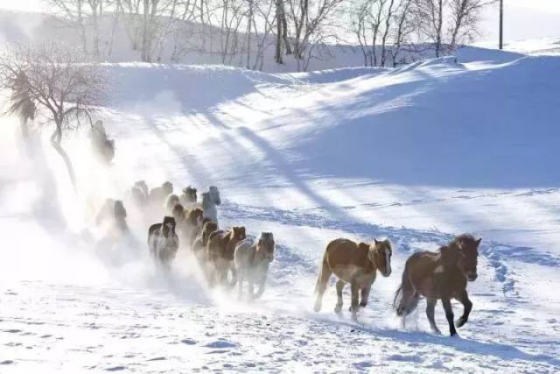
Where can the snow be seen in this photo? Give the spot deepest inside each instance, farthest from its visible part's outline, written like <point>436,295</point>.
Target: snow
<point>416,154</point>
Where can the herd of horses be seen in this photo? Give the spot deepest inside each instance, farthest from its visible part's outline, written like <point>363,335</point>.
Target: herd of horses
<point>230,257</point>
<point>226,257</point>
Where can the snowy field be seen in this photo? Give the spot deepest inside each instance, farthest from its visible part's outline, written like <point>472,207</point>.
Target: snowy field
<point>417,154</point>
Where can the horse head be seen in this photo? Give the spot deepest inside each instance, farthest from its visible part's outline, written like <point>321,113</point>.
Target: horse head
<point>190,192</point>
<point>238,233</point>
<point>208,228</point>
<point>265,246</point>
<point>178,212</point>
<point>380,253</point>
<point>468,255</point>
<point>172,200</point>
<point>168,225</point>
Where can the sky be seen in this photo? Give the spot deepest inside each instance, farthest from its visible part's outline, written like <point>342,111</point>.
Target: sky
<point>524,19</point>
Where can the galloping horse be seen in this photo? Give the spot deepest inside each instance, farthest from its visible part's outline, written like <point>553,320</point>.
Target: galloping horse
<point>441,276</point>
<point>356,264</point>
<point>251,262</point>
<point>220,250</point>
<point>163,241</point>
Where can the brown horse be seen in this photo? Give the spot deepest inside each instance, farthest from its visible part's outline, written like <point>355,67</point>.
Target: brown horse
<point>356,264</point>
<point>197,231</point>
<point>252,259</point>
<point>441,276</point>
<point>220,250</point>
<point>193,219</point>
<point>198,246</point>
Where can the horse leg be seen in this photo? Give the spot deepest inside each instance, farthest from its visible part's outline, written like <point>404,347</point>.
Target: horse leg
<point>339,287</point>
<point>240,284</point>
<point>365,295</point>
<point>449,315</point>
<point>430,311</point>
<point>467,304</point>
<point>251,289</point>
<point>262,285</point>
<point>322,284</point>
<point>355,290</point>
<point>233,276</point>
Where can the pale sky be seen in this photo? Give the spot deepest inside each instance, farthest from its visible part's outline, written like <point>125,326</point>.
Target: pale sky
<point>524,19</point>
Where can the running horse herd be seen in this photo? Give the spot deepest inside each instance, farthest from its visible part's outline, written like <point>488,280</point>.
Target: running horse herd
<point>230,257</point>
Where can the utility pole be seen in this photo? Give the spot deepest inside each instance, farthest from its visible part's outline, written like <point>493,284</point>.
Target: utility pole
<point>501,24</point>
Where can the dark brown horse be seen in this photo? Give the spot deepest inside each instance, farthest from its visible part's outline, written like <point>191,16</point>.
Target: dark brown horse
<point>354,263</point>
<point>163,242</point>
<point>441,276</point>
<point>220,250</point>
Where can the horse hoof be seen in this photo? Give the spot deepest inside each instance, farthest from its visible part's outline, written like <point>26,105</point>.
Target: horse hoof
<point>338,309</point>
<point>317,308</point>
<point>461,322</point>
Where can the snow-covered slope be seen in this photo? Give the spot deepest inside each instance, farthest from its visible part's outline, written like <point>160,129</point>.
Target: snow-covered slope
<point>417,154</point>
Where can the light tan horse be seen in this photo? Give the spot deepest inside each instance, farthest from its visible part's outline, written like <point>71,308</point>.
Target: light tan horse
<point>356,264</point>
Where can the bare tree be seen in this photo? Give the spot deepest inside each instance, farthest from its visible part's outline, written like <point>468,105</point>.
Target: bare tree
<point>430,16</point>
<point>307,17</point>
<point>372,23</point>
<point>404,28</point>
<point>65,89</point>
<point>465,17</point>
<point>85,16</point>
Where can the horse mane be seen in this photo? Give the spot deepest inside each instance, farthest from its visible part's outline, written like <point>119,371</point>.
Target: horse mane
<point>268,239</point>
<point>459,240</point>
<point>167,220</point>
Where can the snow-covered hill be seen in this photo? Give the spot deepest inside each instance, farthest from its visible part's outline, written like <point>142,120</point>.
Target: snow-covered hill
<point>417,154</point>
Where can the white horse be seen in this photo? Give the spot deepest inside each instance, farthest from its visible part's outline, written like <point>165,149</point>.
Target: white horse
<point>252,261</point>
<point>210,201</point>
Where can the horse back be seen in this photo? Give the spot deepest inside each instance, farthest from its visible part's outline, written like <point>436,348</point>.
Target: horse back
<point>217,242</point>
<point>422,263</point>
<point>345,252</point>
<point>430,278</point>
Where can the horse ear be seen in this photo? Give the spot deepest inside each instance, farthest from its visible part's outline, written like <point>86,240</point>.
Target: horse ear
<point>478,241</point>
<point>376,241</point>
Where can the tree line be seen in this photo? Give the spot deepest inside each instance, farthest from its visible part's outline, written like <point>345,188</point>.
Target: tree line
<point>239,32</point>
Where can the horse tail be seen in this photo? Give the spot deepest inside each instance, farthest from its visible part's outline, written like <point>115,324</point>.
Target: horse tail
<point>323,268</point>
<point>406,298</point>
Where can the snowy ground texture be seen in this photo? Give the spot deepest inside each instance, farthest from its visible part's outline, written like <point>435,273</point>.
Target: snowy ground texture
<point>417,154</point>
